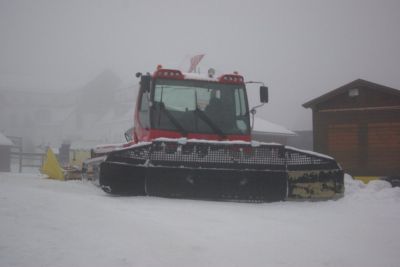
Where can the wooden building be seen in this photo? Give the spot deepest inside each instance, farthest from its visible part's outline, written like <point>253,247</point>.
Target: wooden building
<point>359,125</point>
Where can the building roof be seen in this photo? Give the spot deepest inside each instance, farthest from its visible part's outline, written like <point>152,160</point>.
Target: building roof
<point>4,141</point>
<point>266,127</point>
<point>354,84</point>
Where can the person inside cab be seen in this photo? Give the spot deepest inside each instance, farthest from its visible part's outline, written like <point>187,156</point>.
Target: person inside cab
<point>214,106</point>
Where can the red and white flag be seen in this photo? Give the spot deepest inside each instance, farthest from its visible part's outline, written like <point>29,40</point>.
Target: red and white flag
<point>194,61</point>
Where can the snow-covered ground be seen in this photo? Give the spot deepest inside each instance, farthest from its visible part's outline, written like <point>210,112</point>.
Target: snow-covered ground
<point>51,223</point>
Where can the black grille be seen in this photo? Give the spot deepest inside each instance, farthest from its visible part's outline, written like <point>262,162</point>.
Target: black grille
<point>221,155</point>
<point>301,160</point>
<point>136,155</point>
<point>213,155</point>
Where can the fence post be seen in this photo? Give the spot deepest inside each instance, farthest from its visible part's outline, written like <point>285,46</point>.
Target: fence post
<point>20,159</point>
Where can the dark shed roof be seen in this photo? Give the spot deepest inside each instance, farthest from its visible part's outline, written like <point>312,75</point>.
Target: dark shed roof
<point>346,87</point>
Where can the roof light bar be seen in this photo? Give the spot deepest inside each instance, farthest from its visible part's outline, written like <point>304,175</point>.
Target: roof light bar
<point>231,78</point>
<point>168,74</point>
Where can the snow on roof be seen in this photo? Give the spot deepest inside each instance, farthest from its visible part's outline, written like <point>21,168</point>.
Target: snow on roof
<point>4,141</point>
<point>263,126</point>
<point>199,76</point>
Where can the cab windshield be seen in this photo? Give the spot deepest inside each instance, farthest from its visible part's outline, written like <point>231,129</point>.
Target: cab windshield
<point>200,107</point>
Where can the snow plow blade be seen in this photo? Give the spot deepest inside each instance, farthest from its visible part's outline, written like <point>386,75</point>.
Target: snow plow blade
<point>239,171</point>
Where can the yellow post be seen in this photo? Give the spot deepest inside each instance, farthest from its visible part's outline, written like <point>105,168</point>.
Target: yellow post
<point>51,167</point>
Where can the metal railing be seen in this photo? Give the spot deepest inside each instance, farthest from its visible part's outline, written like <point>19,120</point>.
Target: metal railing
<point>27,159</point>
<point>24,159</point>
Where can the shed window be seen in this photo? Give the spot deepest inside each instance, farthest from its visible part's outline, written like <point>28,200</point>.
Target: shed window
<point>353,92</point>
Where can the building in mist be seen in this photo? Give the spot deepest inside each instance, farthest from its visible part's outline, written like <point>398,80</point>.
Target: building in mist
<point>105,109</point>
<point>359,124</point>
<point>98,112</point>
<point>35,116</point>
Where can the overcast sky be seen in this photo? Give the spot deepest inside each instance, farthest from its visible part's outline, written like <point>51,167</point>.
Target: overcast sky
<point>300,49</point>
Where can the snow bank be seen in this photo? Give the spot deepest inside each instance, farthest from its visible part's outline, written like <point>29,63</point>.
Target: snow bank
<point>51,223</point>
<point>375,190</point>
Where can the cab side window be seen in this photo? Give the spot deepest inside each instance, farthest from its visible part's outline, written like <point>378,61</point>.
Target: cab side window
<point>144,114</point>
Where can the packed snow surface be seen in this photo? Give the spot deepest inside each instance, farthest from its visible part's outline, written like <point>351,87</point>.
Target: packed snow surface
<point>51,223</point>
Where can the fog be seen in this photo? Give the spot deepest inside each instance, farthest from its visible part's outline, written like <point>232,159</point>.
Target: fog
<point>300,49</point>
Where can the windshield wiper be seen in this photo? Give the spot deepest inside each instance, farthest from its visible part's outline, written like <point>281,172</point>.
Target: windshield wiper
<point>172,119</point>
<point>202,115</point>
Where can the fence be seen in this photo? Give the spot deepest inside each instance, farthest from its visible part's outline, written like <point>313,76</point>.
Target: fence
<point>24,159</point>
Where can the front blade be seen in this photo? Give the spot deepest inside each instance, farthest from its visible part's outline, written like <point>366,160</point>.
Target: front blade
<point>313,176</point>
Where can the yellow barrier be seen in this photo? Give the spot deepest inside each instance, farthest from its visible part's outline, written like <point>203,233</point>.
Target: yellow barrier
<point>51,167</point>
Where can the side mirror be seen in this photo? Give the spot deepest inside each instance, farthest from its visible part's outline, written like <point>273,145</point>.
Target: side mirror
<point>145,83</point>
<point>263,94</point>
<point>129,135</point>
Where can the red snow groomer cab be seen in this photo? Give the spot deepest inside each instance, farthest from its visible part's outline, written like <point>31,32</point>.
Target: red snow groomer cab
<point>192,139</point>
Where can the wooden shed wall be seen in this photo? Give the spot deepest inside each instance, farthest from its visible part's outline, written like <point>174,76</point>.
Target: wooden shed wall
<point>362,133</point>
